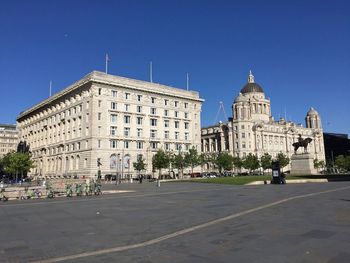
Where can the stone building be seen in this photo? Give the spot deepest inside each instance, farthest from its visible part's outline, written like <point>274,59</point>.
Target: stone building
<point>8,138</point>
<point>252,129</point>
<point>105,122</point>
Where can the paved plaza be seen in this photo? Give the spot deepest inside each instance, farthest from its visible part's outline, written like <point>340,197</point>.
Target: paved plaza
<point>183,222</point>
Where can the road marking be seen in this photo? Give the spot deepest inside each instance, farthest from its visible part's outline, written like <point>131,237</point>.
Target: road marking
<point>184,231</point>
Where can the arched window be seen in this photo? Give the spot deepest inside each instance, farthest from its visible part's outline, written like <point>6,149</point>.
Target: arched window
<point>113,161</point>
<point>77,160</point>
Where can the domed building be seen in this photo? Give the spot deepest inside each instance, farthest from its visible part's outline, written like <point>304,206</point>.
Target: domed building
<point>252,129</point>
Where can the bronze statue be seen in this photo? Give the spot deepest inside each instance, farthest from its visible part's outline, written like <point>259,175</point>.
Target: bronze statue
<point>301,143</point>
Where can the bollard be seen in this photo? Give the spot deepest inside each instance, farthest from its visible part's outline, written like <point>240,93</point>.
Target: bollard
<point>158,183</point>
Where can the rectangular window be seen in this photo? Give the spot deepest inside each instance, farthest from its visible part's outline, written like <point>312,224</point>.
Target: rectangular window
<point>139,97</point>
<point>127,107</point>
<point>126,132</point>
<point>126,144</point>
<point>113,130</point>
<point>166,102</point>
<point>187,125</point>
<point>167,146</point>
<point>153,110</point>
<point>127,95</point>
<point>99,116</point>
<point>176,135</point>
<point>153,122</point>
<point>153,145</point>
<point>99,105</point>
<point>139,145</point>
<point>243,135</point>
<point>166,134</point>
<point>99,143</point>
<point>153,134</point>
<point>186,136</point>
<point>113,105</point>
<point>176,114</point>
<point>166,112</point>
<point>177,124</point>
<point>178,147</point>
<point>166,123</point>
<point>139,133</point>
<point>114,93</point>
<point>186,115</point>
<point>139,120</point>
<point>186,105</point>
<point>139,109</point>
<point>153,100</point>
<point>113,144</point>
<point>243,145</point>
<point>176,103</point>
<point>113,118</point>
<point>126,119</point>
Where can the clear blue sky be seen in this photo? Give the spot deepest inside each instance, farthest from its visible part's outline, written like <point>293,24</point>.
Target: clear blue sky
<point>299,51</point>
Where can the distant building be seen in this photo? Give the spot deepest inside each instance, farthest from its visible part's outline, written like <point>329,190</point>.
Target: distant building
<point>253,130</point>
<point>335,144</point>
<point>8,138</point>
<point>105,122</point>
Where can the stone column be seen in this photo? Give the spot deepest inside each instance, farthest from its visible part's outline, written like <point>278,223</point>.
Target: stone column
<point>222,136</point>
<point>230,140</point>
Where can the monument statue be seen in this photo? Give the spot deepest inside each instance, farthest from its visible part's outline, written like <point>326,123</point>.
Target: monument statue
<point>301,143</point>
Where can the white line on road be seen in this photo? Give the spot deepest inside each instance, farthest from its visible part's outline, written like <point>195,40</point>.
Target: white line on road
<point>184,231</point>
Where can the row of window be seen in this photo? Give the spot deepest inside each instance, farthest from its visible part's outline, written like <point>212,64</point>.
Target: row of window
<point>153,111</point>
<point>154,100</point>
<point>153,133</point>
<point>153,122</point>
<point>153,145</point>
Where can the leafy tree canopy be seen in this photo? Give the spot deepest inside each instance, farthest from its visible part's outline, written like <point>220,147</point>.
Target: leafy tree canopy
<point>251,162</point>
<point>224,161</point>
<point>140,164</point>
<point>282,159</point>
<point>343,162</point>
<point>17,163</point>
<point>237,162</point>
<point>161,160</point>
<point>266,161</point>
<point>192,158</point>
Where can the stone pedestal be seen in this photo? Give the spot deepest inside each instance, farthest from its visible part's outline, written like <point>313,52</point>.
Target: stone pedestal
<point>302,164</point>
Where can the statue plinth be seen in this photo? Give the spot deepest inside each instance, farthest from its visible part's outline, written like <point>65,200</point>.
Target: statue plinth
<point>302,164</point>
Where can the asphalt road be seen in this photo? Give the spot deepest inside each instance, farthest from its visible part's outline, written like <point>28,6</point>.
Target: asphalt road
<point>183,222</point>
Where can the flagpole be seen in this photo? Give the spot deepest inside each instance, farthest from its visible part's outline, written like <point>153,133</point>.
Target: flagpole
<point>107,63</point>
<point>188,81</point>
<point>151,71</point>
<point>50,87</point>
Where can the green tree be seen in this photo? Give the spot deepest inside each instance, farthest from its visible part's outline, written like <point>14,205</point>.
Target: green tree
<point>224,161</point>
<point>18,163</point>
<point>179,163</point>
<point>139,165</point>
<point>251,162</point>
<point>343,162</point>
<point>282,159</point>
<point>207,158</point>
<point>266,161</point>
<point>237,162</point>
<point>192,159</point>
<point>160,161</point>
<point>318,164</point>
